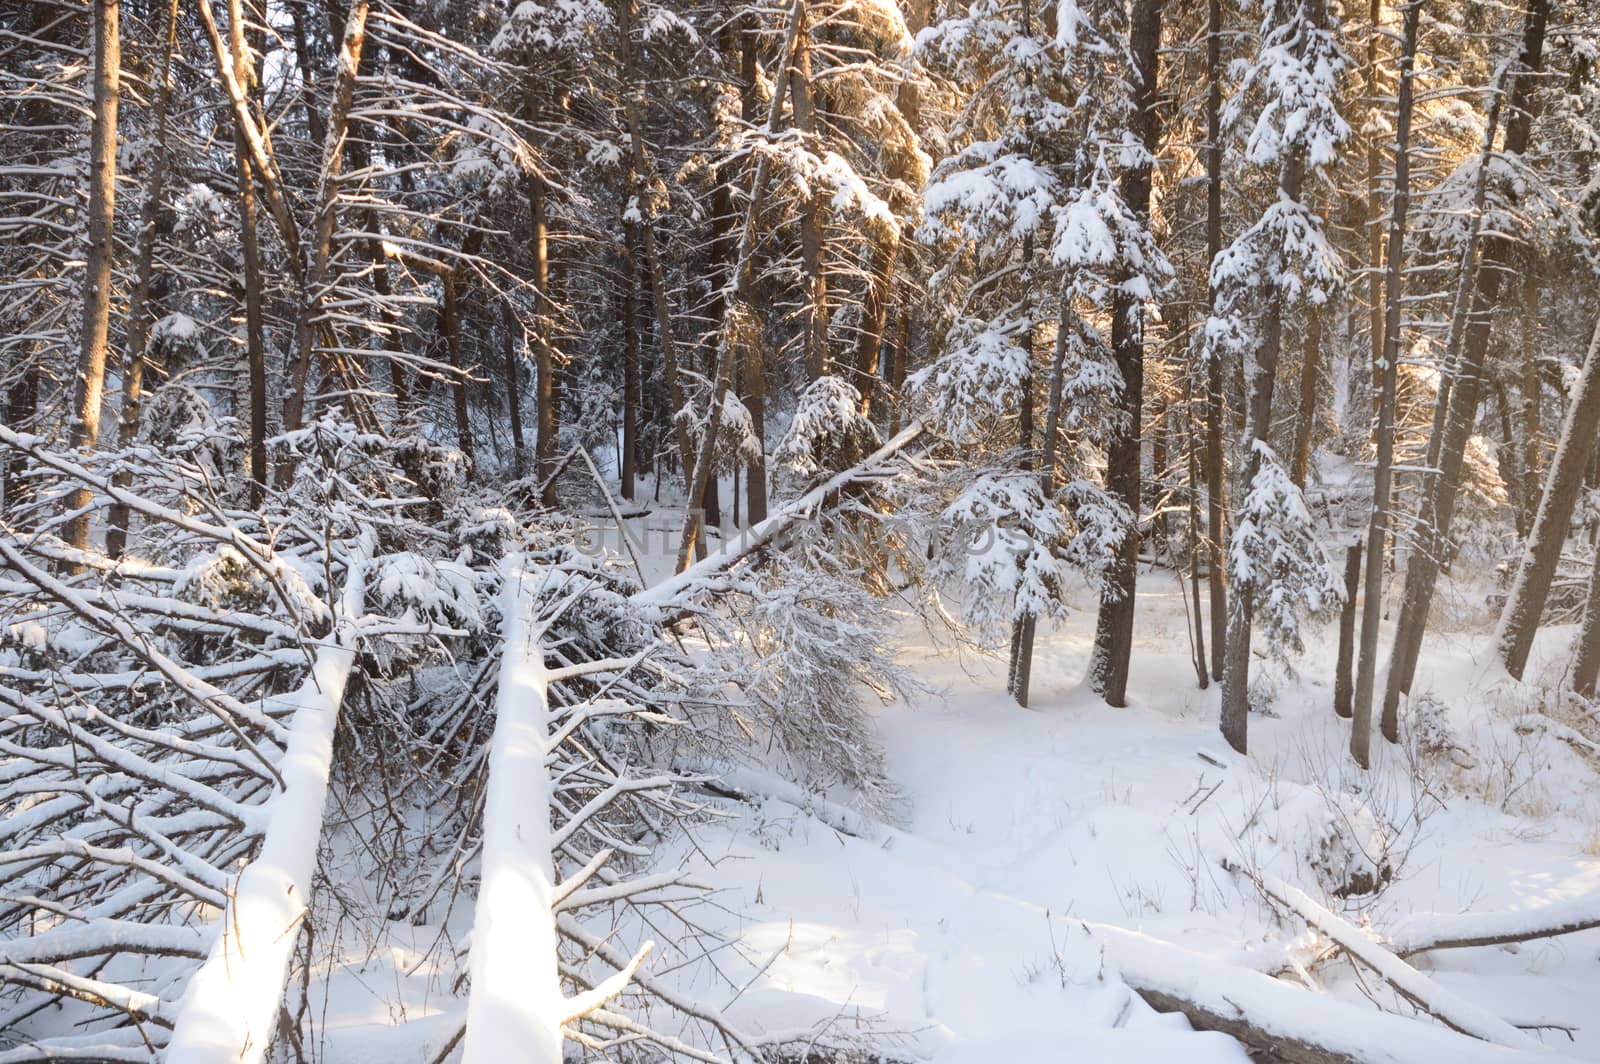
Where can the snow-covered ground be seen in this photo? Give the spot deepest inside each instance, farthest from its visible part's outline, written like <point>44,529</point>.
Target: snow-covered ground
<point>966,931</point>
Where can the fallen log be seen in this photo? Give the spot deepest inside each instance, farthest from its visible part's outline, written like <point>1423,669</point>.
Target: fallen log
<point>1423,932</point>
<point>230,1008</point>
<point>1284,1022</point>
<point>1424,993</point>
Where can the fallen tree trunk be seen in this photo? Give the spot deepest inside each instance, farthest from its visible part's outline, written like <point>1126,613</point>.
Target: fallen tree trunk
<point>1422,932</point>
<point>515,1009</point>
<point>1282,1021</point>
<point>1409,983</point>
<point>230,1009</point>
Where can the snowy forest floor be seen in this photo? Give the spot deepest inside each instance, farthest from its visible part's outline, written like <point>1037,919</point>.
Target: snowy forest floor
<point>959,934</point>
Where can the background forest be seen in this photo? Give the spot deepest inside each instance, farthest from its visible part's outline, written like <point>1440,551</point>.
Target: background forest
<point>454,456</point>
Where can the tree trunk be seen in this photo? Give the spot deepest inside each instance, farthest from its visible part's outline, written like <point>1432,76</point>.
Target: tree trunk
<point>752,366</point>
<point>1201,662</point>
<point>307,323</point>
<point>254,328</point>
<point>628,461</point>
<point>450,325</point>
<point>1455,423</point>
<point>1374,219</point>
<point>1306,415</point>
<point>737,293</point>
<point>138,333</point>
<point>519,446</point>
<point>1541,553</point>
<point>886,242</point>
<point>544,363</point>
<point>91,379</point>
<point>1382,486</point>
<point>1343,684</point>
<point>1586,669</point>
<point>1532,392</point>
<point>1019,672</point>
<point>812,245</point>
<point>642,191</point>
<point>1216,520</point>
<point>1113,648</point>
<point>1235,721</point>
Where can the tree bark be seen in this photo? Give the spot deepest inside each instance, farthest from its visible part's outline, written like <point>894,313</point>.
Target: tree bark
<point>138,332</point>
<point>1586,669</point>
<point>1113,648</point>
<point>752,366</point>
<point>628,461</point>
<point>1532,393</point>
<point>886,242</point>
<point>1382,486</point>
<point>1541,552</point>
<point>1019,672</point>
<point>737,294</point>
<point>91,379</point>
<point>254,328</point>
<point>1374,219</point>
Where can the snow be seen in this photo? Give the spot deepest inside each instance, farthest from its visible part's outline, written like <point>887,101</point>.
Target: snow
<point>1043,862</point>
<point>960,934</point>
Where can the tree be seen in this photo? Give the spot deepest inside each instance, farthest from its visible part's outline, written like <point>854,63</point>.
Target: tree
<point>89,387</point>
<point>1541,551</point>
<point>1382,489</point>
<point>1291,90</point>
<point>1477,296</point>
<point>1113,645</point>
<point>1033,169</point>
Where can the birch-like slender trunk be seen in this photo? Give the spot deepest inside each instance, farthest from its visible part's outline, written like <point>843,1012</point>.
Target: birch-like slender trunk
<point>1306,414</point>
<point>307,320</point>
<point>813,248</point>
<point>546,394</point>
<point>752,365</point>
<point>508,350</point>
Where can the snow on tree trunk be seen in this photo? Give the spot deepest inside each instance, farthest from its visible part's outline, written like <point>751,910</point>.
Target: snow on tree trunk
<point>1542,551</point>
<point>229,1012</point>
<point>516,1007</point>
